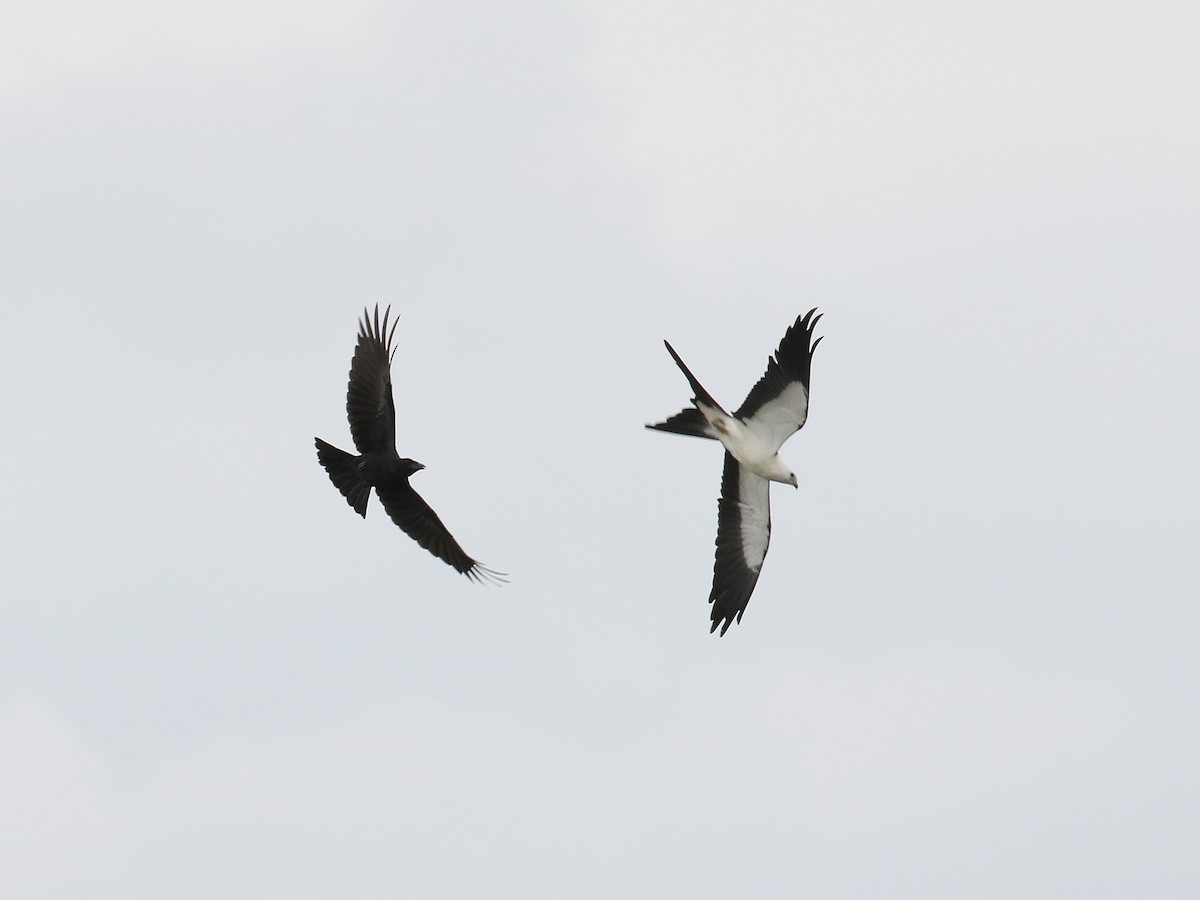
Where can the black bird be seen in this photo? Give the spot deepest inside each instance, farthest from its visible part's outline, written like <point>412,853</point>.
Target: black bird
<point>773,411</point>
<point>372,415</point>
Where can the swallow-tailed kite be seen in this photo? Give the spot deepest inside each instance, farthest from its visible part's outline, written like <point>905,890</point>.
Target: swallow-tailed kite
<point>773,411</point>
<point>372,415</point>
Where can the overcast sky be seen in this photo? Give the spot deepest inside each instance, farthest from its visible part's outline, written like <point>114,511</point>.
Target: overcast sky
<point>969,668</point>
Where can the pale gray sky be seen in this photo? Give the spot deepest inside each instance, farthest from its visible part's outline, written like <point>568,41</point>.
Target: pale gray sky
<point>969,667</point>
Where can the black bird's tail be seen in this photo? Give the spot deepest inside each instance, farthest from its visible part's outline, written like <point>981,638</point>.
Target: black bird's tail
<point>689,421</point>
<point>344,474</point>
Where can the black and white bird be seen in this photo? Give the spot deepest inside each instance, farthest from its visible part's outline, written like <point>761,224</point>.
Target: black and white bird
<point>772,412</point>
<point>372,415</point>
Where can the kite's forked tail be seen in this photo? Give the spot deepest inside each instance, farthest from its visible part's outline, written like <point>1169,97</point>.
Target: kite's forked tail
<point>689,421</point>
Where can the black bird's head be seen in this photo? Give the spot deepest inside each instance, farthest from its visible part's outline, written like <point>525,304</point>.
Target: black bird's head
<point>411,466</point>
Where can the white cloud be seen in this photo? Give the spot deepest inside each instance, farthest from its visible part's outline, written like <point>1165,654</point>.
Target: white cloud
<point>781,130</point>
<point>62,825</point>
<point>42,43</point>
<point>964,763</point>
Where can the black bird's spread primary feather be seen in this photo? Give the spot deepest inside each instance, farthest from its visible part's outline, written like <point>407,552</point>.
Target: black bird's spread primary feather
<point>773,411</point>
<point>372,414</point>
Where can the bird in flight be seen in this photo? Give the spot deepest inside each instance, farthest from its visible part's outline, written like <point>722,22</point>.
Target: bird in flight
<point>772,412</point>
<point>372,415</point>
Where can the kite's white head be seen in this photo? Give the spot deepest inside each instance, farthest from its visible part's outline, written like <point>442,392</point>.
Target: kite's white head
<point>776,470</point>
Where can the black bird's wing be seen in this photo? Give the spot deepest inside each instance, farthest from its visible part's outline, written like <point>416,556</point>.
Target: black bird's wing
<point>777,406</point>
<point>418,520</point>
<point>743,533</point>
<point>369,404</point>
